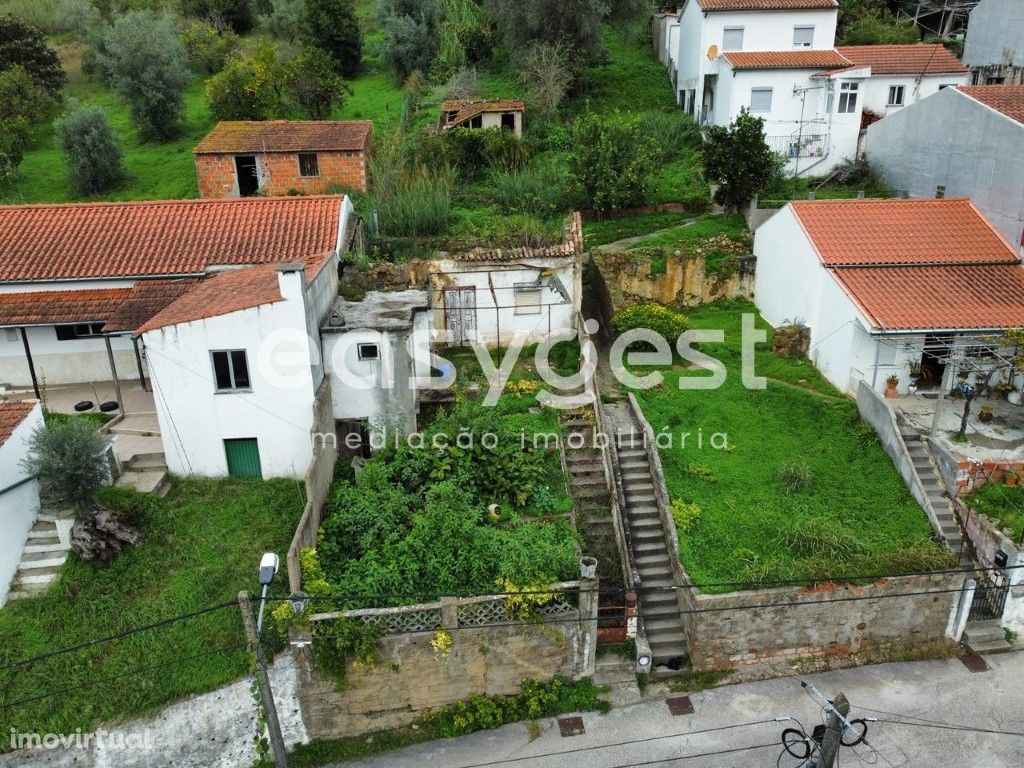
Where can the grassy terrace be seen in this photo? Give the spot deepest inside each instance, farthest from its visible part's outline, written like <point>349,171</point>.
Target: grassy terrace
<point>847,510</point>
<point>202,545</point>
<point>1003,505</point>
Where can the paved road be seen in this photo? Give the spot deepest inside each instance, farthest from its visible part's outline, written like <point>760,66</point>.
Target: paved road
<point>937,690</point>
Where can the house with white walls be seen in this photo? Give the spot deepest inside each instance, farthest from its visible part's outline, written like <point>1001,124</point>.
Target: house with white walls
<point>994,44</point>
<point>776,58</point>
<point>19,491</point>
<point>884,284</point>
<point>977,152</point>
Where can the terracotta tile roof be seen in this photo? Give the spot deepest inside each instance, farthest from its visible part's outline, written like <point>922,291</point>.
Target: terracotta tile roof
<point>57,307</point>
<point>895,232</point>
<point>1008,99</point>
<point>11,415</point>
<point>465,109</point>
<point>163,238</point>
<point>219,294</point>
<point>571,246</point>
<point>765,5</point>
<point>989,296</point>
<point>286,136</point>
<point>798,59</point>
<point>146,299</point>
<point>912,59</point>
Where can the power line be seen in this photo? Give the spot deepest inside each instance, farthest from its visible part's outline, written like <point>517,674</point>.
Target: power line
<point>734,750</point>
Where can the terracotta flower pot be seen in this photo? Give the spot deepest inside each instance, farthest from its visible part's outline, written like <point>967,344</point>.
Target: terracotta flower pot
<point>985,416</point>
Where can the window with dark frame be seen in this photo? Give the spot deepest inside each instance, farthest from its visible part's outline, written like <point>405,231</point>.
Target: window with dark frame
<point>231,370</point>
<point>308,164</point>
<point>368,351</point>
<point>78,331</point>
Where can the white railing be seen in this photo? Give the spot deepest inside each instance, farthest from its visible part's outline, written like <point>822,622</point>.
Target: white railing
<point>795,146</point>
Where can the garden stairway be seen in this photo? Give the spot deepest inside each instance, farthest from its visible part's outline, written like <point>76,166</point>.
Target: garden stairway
<point>934,488</point>
<point>43,556</point>
<point>146,472</point>
<point>659,603</point>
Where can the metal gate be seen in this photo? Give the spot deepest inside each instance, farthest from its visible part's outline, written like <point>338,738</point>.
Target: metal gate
<point>989,596</point>
<point>243,457</point>
<point>460,314</point>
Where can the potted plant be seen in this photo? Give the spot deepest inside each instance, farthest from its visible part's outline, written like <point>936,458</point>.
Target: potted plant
<point>985,414</point>
<point>891,384</point>
<point>915,371</point>
<point>1010,477</point>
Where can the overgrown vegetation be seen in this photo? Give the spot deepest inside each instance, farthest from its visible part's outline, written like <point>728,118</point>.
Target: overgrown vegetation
<point>843,511</point>
<point>68,460</point>
<point>1003,504</point>
<point>201,543</point>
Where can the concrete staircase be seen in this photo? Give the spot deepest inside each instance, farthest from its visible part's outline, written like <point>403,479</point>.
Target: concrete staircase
<point>986,637</point>
<point>43,556</point>
<point>931,481</point>
<point>659,604</point>
<point>146,472</point>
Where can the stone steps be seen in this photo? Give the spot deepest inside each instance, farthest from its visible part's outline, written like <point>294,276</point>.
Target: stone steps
<point>984,637</point>
<point>42,557</point>
<point>155,481</point>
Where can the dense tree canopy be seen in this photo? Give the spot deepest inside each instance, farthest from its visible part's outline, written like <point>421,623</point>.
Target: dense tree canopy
<point>332,26</point>
<point>25,46</point>
<point>739,161</point>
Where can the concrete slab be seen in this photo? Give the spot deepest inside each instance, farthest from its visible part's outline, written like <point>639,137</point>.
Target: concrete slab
<point>1001,439</point>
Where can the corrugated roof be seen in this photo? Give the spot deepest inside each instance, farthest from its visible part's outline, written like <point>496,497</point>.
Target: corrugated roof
<point>894,232</point>
<point>798,59</point>
<point>11,415</point>
<point>765,5</point>
<point>1008,99</point>
<point>59,307</point>
<point>234,136</point>
<point>945,297</point>
<point>219,294</point>
<point>163,238</point>
<point>466,109</point>
<point>912,59</point>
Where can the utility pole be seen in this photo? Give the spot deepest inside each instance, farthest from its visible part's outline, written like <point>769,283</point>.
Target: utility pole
<point>263,680</point>
<point>836,725</point>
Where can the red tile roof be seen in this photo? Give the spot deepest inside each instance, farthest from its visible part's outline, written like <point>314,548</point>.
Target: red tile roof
<point>571,246</point>
<point>912,59</point>
<point>11,415</point>
<point>57,307</point>
<point>146,299</point>
<point>799,59</point>
<point>286,136</point>
<point>163,238</point>
<point>465,109</point>
<point>765,5</point>
<point>219,294</point>
<point>897,232</point>
<point>1008,99</point>
<point>988,296</point>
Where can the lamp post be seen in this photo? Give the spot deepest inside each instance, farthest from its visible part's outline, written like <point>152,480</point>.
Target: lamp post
<point>268,569</point>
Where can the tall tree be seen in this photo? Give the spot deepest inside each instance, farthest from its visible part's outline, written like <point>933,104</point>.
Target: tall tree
<point>411,35</point>
<point>574,25</point>
<point>146,64</point>
<point>312,84</point>
<point>25,46</point>
<point>91,150</point>
<point>612,161</point>
<point>739,161</point>
<point>247,88</point>
<point>332,26</point>
<point>237,15</point>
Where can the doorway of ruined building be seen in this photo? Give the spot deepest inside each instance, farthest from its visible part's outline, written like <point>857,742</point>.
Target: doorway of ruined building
<point>247,175</point>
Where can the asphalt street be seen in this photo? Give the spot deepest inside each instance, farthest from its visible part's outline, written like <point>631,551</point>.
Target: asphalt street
<point>916,703</point>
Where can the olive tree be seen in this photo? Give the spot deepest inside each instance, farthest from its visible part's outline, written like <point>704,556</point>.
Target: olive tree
<point>68,459</point>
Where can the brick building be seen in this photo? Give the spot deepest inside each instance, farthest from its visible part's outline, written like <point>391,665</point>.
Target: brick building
<point>280,157</point>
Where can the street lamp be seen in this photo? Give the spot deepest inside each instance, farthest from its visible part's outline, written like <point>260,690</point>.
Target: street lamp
<point>268,569</point>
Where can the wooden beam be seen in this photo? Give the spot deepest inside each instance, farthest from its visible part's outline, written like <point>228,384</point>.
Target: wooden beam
<point>113,373</point>
<point>31,365</point>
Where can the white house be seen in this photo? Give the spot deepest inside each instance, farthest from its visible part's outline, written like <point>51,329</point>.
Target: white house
<point>963,142</point>
<point>994,45</point>
<point>777,59</point>
<point>882,284</point>
<point>19,491</point>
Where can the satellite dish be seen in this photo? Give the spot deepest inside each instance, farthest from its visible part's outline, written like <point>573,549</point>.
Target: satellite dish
<point>712,51</point>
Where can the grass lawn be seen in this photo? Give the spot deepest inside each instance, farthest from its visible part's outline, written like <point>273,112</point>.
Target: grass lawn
<point>1003,505</point>
<point>854,514</point>
<point>202,545</point>
<point>610,229</point>
<point>687,236</point>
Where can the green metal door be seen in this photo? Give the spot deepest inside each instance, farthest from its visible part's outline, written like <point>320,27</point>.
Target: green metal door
<point>243,457</point>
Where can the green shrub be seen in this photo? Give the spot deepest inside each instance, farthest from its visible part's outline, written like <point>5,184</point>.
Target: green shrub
<point>664,321</point>
<point>612,161</point>
<point>539,190</point>
<point>675,134</point>
<point>236,14</point>
<point>133,507</point>
<point>53,17</point>
<point>419,206</point>
<point>1004,504</point>
<point>332,26</point>
<point>795,477</point>
<point>69,460</point>
<point>313,85</point>
<point>24,45</point>
<point>91,150</point>
<point>504,150</point>
<point>823,537</point>
<point>685,514</point>
<point>246,89</point>
<point>206,48</point>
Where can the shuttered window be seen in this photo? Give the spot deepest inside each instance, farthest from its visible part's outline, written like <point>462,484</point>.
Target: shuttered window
<point>760,99</point>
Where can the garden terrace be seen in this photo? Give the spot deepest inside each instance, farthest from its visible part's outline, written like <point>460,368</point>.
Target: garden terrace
<point>803,488</point>
<point>201,545</point>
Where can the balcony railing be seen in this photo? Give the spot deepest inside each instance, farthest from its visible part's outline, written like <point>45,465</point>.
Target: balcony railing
<point>793,147</point>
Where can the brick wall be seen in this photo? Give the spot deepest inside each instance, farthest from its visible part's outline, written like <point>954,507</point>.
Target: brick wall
<point>772,628</point>
<point>411,677</point>
<point>279,172</point>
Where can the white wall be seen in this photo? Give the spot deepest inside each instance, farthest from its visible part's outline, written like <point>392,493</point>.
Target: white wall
<point>195,420</point>
<point>875,90</point>
<point>493,317</point>
<point>320,293</point>
<point>18,507</point>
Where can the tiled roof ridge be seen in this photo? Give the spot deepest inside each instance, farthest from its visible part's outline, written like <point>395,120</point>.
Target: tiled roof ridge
<point>183,201</point>
<point>571,245</point>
